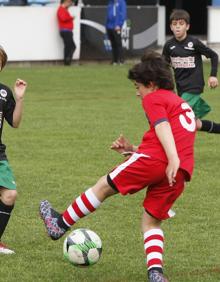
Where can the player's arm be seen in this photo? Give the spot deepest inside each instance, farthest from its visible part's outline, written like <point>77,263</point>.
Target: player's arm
<point>123,146</point>
<point>213,80</point>
<point>19,91</point>
<point>165,136</point>
<point>165,53</point>
<point>209,53</point>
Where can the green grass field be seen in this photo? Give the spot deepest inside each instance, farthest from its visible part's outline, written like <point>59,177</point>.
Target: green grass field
<point>71,116</point>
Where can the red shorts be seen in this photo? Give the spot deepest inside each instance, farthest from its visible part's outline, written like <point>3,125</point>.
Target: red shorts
<point>141,171</point>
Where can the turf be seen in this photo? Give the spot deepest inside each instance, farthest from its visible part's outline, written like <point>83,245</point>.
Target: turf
<point>71,116</point>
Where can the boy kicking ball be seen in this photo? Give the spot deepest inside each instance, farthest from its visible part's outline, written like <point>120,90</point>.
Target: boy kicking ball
<point>160,164</point>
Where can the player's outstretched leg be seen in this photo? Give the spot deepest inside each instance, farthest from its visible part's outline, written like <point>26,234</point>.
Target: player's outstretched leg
<point>50,218</point>
<point>57,224</point>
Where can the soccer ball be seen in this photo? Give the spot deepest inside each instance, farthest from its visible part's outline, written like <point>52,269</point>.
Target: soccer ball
<point>82,247</point>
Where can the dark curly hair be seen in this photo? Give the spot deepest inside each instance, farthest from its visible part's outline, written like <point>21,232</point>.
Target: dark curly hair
<point>3,58</point>
<point>153,68</point>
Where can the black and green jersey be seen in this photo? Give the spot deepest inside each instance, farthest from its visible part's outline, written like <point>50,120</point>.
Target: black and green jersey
<point>7,105</point>
<point>186,59</point>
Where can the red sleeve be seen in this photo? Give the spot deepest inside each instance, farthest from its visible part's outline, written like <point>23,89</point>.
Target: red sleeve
<point>155,109</point>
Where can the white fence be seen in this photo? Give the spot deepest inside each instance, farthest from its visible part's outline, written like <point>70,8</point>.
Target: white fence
<point>213,24</point>
<point>31,33</point>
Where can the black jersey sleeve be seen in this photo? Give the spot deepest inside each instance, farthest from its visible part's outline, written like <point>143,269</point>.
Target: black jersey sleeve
<point>209,53</point>
<point>165,52</point>
<point>9,106</point>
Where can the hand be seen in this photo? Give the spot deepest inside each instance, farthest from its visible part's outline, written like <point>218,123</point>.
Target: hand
<point>171,170</point>
<point>122,145</point>
<point>118,29</point>
<point>213,82</point>
<point>19,88</point>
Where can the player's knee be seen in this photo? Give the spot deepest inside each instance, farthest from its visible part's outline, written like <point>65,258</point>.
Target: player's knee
<point>106,188</point>
<point>102,188</point>
<point>149,222</point>
<point>9,197</point>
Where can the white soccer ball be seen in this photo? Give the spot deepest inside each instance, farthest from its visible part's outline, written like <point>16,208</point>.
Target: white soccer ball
<point>82,247</point>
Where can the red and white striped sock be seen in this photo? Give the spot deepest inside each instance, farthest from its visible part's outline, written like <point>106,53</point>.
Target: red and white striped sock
<point>153,245</point>
<point>82,206</point>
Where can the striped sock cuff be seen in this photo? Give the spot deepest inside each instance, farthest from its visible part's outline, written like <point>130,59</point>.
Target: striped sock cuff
<point>153,232</point>
<point>92,197</point>
<point>82,206</point>
<point>153,245</point>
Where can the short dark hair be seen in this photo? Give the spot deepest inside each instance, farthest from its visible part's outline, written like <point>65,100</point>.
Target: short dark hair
<point>152,68</point>
<point>180,15</point>
<point>3,58</point>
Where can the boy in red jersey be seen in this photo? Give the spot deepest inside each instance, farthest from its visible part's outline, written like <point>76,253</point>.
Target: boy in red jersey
<point>162,163</point>
<point>65,22</point>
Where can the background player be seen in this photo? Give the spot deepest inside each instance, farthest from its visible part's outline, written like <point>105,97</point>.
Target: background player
<point>162,163</point>
<point>11,110</point>
<point>184,52</point>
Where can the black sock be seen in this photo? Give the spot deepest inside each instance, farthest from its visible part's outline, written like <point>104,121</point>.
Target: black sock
<point>210,126</point>
<point>5,213</point>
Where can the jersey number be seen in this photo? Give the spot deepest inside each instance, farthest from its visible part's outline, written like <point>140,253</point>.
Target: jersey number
<point>190,126</point>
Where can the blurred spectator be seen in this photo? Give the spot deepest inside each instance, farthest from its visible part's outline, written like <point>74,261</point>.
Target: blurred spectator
<point>116,15</point>
<point>65,22</point>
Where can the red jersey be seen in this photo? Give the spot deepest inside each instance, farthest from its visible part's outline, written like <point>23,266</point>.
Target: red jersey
<point>65,20</point>
<point>164,105</point>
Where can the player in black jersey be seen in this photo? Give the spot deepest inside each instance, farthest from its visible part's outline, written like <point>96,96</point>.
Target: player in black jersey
<point>11,111</point>
<point>184,52</point>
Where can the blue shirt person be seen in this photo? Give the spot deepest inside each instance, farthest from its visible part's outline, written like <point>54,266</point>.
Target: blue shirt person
<point>116,16</point>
